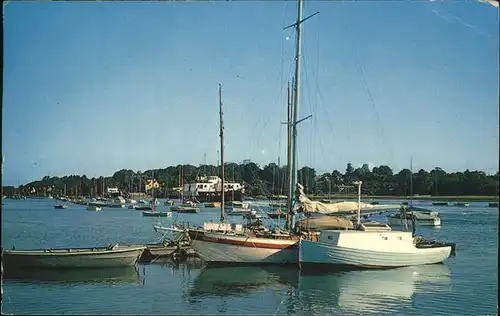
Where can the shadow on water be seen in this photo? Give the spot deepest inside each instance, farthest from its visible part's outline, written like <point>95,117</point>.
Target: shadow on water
<point>70,276</point>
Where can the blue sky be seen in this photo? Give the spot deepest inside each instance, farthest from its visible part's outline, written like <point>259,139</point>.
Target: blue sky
<point>91,88</point>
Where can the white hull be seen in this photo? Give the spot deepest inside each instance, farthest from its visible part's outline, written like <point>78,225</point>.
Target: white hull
<point>116,205</point>
<point>177,233</point>
<point>117,257</point>
<point>322,253</point>
<point>432,222</point>
<point>237,211</point>
<point>232,249</point>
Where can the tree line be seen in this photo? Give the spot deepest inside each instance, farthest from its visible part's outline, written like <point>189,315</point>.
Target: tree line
<point>271,179</point>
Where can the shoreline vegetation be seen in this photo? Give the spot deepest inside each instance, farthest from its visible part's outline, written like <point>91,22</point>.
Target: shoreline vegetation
<point>378,183</point>
<point>457,198</point>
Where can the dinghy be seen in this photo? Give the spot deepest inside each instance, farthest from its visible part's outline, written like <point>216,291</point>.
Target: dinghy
<point>99,257</point>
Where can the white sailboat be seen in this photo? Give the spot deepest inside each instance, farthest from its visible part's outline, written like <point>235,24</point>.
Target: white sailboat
<point>222,243</point>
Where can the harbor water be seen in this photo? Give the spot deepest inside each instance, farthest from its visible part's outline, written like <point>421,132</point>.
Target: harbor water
<point>464,285</point>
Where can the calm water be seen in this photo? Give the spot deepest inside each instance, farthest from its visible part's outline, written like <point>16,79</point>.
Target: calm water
<point>465,285</point>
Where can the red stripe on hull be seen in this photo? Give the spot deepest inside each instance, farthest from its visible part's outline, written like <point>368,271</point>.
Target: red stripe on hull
<point>243,243</point>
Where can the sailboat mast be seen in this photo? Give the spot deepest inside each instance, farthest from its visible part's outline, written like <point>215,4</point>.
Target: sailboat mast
<point>411,180</point>
<point>289,158</point>
<point>221,123</point>
<point>296,101</point>
<point>205,164</point>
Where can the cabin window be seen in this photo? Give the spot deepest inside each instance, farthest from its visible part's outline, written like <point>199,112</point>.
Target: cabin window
<point>330,237</point>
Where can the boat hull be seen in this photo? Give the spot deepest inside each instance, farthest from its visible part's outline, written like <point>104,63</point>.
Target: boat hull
<point>432,222</point>
<point>218,248</point>
<point>177,233</point>
<point>156,214</point>
<point>229,196</point>
<point>317,253</point>
<point>237,211</point>
<point>58,258</point>
<point>143,208</point>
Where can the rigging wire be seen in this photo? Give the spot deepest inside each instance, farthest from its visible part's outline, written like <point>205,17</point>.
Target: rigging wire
<point>367,90</point>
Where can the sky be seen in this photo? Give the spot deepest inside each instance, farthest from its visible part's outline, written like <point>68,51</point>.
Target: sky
<point>94,87</point>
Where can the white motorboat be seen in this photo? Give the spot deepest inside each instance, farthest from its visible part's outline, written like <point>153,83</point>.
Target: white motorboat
<point>93,208</point>
<point>371,245</point>
<point>411,214</point>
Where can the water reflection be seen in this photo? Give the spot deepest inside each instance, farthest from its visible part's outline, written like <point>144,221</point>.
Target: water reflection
<point>106,275</point>
<point>358,292</point>
<point>370,291</point>
<point>241,281</point>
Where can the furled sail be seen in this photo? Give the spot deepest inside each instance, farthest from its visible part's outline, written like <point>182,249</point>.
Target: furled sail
<point>322,222</point>
<point>308,206</point>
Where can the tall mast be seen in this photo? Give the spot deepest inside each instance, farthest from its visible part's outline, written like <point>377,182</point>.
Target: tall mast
<point>296,101</point>
<point>289,157</point>
<point>221,123</point>
<point>295,110</point>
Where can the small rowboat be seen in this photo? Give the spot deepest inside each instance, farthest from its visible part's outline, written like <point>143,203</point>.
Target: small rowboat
<point>101,257</point>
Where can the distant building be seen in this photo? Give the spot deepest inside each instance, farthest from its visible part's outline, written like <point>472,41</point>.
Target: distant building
<point>113,190</point>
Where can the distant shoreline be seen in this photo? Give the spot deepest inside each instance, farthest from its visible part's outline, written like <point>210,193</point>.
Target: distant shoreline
<point>467,198</point>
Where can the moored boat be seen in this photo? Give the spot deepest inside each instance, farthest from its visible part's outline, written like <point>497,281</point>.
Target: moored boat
<point>169,203</point>
<point>156,214</point>
<point>94,208</point>
<point>421,217</point>
<point>236,208</point>
<point>371,245</point>
<point>144,207</point>
<point>176,232</point>
<point>461,204</point>
<point>371,249</point>
<point>60,206</point>
<point>99,257</point>
<point>115,205</point>
<point>493,204</point>
<point>223,244</point>
<point>184,209</point>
